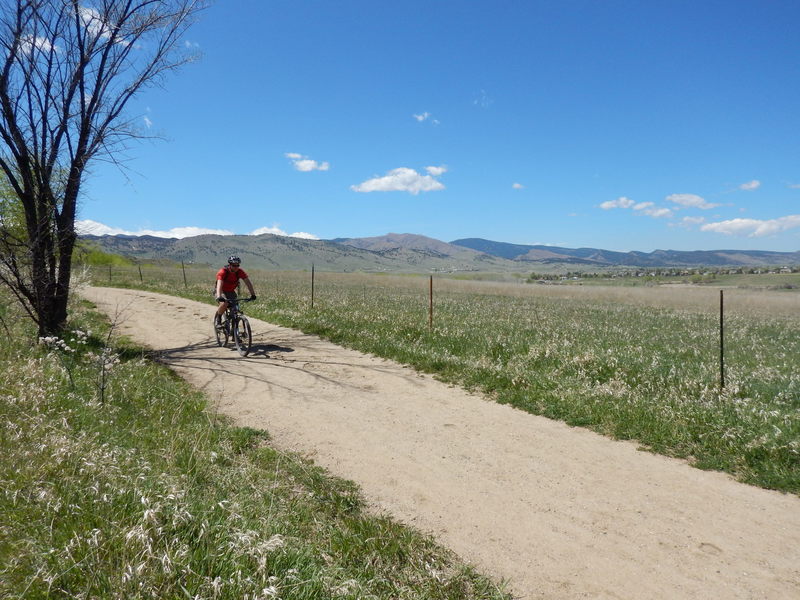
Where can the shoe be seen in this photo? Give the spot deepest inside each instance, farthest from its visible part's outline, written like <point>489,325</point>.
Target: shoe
<point>217,322</point>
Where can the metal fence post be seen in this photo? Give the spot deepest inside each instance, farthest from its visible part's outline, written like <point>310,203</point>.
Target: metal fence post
<point>721,341</point>
<point>430,304</point>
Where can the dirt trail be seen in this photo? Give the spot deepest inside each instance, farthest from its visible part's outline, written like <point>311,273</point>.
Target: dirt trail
<point>560,512</point>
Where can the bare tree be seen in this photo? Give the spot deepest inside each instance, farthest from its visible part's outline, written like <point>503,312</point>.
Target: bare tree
<point>69,70</point>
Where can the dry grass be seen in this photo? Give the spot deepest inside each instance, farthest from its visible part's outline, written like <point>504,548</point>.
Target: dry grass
<point>632,362</point>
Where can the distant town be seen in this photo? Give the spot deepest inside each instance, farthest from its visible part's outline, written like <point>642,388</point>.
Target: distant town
<point>692,275</point>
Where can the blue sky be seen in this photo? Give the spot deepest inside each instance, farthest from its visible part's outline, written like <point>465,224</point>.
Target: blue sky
<point>609,124</point>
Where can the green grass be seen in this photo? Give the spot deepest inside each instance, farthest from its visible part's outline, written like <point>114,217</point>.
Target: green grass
<point>638,363</point>
<point>118,482</point>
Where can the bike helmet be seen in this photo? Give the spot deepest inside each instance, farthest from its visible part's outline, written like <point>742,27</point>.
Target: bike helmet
<point>234,260</point>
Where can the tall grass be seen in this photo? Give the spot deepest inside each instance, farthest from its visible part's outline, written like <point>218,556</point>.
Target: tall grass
<point>639,364</point>
<point>118,482</point>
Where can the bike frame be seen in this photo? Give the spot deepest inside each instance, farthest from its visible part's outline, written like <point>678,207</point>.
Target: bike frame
<point>233,318</point>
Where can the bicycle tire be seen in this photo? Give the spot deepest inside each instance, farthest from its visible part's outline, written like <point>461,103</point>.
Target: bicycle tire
<point>242,336</point>
<point>221,333</point>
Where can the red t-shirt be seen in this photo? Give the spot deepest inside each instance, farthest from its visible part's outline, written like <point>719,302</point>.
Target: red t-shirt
<point>230,279</point>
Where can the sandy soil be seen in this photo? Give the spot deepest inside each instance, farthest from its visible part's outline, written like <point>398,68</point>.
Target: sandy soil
<point>559,512</point>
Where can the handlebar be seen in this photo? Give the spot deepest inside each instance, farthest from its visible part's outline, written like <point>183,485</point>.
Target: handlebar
<point>236,300</point>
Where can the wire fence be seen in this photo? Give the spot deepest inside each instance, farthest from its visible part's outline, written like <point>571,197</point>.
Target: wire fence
<point>670,354</point>
<point>319,286</point>
<point>398,293</point>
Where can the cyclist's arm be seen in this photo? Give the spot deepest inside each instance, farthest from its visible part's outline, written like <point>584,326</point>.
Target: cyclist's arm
<point>249,286</point>
<point>218,290</point>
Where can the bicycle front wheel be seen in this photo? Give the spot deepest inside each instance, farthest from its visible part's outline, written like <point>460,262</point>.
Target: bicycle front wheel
<point>242,336</point>
<point>221,332</point>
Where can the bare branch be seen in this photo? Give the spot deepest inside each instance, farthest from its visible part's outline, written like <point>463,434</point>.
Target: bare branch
<point>68,72</point>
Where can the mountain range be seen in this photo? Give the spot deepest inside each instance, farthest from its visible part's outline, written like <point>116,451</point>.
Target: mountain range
<point>416,254</point>
<point>657,258</point>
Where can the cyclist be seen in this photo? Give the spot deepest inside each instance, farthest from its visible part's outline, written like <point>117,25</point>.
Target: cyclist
<point>227,280</point>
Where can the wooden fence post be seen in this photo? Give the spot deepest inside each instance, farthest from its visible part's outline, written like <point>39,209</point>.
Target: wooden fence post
<point>183,268</point>
<point>312,286</point>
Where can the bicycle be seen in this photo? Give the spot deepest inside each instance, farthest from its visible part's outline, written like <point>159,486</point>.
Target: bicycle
<point>234,323</point>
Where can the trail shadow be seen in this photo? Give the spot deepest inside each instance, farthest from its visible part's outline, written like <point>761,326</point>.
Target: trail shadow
<point>266,349</point>
<point>256,350</point>
<point>183,356</point>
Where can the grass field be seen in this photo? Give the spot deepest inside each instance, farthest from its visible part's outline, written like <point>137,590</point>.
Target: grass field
<point>118,482</point>
<point>637,363</point>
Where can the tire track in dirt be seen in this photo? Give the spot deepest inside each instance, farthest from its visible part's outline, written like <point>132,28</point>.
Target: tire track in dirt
<point>560,512</point>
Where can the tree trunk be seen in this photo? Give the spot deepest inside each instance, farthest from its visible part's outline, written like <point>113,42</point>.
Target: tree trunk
<point>67,74</point>
<point>53,317</point>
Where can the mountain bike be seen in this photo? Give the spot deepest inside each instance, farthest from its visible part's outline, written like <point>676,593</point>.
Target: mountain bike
<point>234,324</point>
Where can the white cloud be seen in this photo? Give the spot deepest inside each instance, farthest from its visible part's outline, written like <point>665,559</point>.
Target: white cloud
<point>184,232</point>
<point>403,180</point>
<point>644,208</point>
<point>311,165</point>
<point>89,227</point>
<point>750,185</point>
<point>305,164</point>
<point>794,186</point>
<point>426,116</point>
<point>436,171</point>
<point>690,201</point>
<point>621,202</point>
<point>689,221</point>
<point>482,100</point>
<point>753,227</point>
<point>649,209</point>
<point>275,230</point>
<point>517,186</point>
<point>29,42</point>
<point>147,122</point>
<point>95,24</point>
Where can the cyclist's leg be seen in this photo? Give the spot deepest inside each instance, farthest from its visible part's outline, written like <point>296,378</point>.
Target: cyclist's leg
<point>223,306</point>
<point>229,296</point>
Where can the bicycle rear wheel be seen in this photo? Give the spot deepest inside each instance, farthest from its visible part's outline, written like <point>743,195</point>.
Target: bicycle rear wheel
<point>221,332</point>
<point>242,336</point>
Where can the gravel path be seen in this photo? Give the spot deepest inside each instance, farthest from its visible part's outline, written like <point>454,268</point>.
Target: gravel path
<point>559,512</point>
